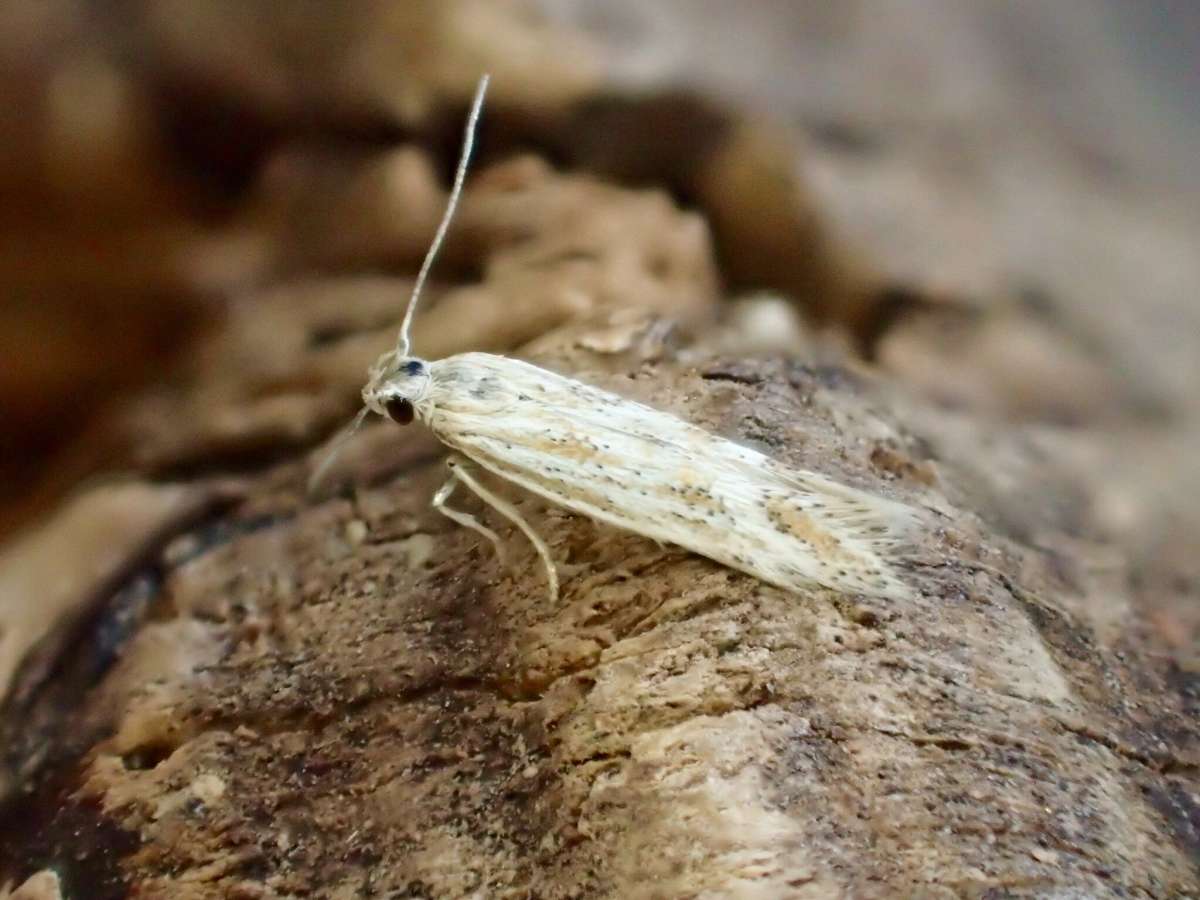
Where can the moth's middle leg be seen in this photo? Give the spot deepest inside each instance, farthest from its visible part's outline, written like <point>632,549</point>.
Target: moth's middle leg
<point>459,472</point>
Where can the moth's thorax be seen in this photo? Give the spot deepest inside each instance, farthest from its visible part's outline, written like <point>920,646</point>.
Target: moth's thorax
<point>398,379</point>
<point>482,384</point>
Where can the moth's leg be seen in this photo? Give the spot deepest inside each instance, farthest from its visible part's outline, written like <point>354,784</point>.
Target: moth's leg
<point>465,519</point>
<point>510,512</point>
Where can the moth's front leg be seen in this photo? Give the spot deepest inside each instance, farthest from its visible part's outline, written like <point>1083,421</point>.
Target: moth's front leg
<point>462,518</point>
<point>459,472</point>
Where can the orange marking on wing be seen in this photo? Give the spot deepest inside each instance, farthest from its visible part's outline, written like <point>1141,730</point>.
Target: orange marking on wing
<point>800,524</point>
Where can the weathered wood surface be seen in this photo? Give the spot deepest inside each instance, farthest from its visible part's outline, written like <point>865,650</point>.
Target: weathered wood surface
<point>223,687</point>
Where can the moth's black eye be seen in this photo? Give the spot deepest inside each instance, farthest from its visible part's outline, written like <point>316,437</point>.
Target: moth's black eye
<point>413,367</point>
<point>399,410</point>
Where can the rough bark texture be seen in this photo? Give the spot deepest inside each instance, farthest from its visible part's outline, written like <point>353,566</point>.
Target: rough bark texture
<point>218,686</point>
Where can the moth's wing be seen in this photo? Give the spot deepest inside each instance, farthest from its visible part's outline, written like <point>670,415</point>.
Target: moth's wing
<point>885,526</point>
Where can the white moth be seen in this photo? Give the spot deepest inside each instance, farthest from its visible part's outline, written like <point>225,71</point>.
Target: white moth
<point>628,465</point>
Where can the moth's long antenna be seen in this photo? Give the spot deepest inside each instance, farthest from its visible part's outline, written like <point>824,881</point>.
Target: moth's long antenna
<point>402,345</point>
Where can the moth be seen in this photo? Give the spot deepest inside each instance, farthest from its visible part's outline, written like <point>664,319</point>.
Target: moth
<point>626,464</point>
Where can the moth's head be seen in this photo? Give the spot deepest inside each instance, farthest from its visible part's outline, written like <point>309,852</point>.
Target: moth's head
<point>398,386</point>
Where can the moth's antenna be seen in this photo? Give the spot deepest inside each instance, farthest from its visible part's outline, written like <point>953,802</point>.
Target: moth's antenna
<point>318,475</point>
<point>402,345</point>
